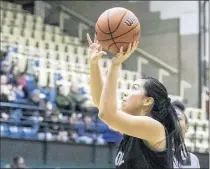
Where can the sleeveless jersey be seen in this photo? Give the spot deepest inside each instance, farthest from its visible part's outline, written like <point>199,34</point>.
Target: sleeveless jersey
<point>133,153</point>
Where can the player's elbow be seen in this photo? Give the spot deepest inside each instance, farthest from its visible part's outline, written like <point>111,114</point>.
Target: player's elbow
<point>107,109</point>
<point>101,115</point>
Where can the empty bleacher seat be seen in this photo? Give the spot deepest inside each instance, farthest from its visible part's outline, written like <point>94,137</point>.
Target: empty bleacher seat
<point>123,75</point>
<point>28,25</point>
<point>27,33</point>
<point>18,22</point>
<point>66,39</point>
<point>48,37</point>
<point>5,29</point>
<point>50,45</point>
<point>57,38</point>
<point>22,41</point>
<point>29,18</point>
<point>2,14</point>
<point>57,30</point>
<point>12,6</point>
<point>75,40</point>
<point>194,113</point>
<point>38,19</point>
<point>48,28</point>
<point>37,35</point>
<point>61,47</point>
<point>19,16</point>
<point>202,145</point>
<point>31,42</point>
<point>16,31</point>
<point>9,15</point>
<point>41,44</point>
<point>38,26</point>
<point>3,5</point>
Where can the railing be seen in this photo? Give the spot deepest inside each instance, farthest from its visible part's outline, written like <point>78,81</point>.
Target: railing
<point>43,125</point>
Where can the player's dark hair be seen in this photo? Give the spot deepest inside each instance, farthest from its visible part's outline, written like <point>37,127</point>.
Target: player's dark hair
<point>164,112</point>
<point>180,106</point>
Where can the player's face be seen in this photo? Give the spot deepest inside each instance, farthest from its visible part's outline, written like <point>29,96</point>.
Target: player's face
<point>182,122</point>
<point>133,102</point>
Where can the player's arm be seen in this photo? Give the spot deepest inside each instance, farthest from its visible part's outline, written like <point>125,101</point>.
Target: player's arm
<point>96,82</point>
<point>138,126</point>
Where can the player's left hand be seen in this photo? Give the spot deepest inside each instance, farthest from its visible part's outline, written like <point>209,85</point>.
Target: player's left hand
<point>122,56</point>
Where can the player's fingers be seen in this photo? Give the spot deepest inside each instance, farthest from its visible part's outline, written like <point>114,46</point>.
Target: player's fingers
<point>129,48</point>
<point>95,39</point>
<point>89,39</point>
<point>102,53</point>
<point>137,43</point>
<point>121,49</point>
<point>134,45</point>
<point>98,47</point>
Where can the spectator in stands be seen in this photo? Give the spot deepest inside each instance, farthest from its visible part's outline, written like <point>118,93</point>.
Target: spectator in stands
<point>7,94</point>
<point>2,55</point>
<point>19,93</point>
<point>5,67</point>
<point>191,161</point>
<point>62,101</point>
<point>109,135</point>
<point>38,99</point>
<point>87,132</point>
<point>56,115</point>
<point>17,162</point>
<point>75,120</point>
<point>62,134</point>
<point>80,100</point>
<point>73,136</point>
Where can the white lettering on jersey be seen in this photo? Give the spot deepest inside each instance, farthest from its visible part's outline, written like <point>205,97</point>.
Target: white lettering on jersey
<point>119,159</point>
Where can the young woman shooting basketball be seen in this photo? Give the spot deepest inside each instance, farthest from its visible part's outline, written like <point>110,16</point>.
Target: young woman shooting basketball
<point>147,119</point>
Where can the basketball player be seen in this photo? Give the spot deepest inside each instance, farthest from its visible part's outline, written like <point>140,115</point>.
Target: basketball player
<point>191,161</point>
<point>147,119</point>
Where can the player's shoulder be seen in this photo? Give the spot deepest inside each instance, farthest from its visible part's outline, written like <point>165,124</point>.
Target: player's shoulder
<point>193,156</point>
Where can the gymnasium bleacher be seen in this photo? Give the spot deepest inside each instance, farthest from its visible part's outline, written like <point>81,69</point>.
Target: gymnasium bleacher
<point>45,51</point>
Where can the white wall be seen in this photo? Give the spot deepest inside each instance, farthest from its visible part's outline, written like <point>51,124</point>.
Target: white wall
<point>187,11</point>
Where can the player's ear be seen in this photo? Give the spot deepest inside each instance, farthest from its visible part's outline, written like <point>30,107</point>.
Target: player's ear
<point>186,128</point>
<point>148,101</point>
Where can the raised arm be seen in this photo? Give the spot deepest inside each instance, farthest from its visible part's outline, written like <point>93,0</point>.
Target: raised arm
<point>96,83</point>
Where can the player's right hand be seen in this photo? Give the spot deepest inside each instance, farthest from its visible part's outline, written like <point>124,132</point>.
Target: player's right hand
<point>95,51</point>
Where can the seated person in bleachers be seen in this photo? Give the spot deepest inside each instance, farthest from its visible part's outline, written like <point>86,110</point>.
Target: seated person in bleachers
<point>17,162</point>
<point>56,115</point>
<point>109,135</point>
<point>87,132</point>
<point>7,94</point>
<point>62,134</point>
<point>20,93</point>
<point>10,70</point>
<point>191,161</point>
<point>2,55</point>
<point>78,98</point>
<point>73,136</point>
<point>62,100</point>
<point>75,119</point>
<point>5,68</point>
<point>37,99</point>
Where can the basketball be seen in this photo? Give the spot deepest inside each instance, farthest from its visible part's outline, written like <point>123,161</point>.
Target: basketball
<point>117,27</point>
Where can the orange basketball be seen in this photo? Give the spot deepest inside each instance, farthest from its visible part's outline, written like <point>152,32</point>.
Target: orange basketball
<point>117,27</point>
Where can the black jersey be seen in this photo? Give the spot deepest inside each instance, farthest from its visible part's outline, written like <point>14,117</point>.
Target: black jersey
<point>133,153</point>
